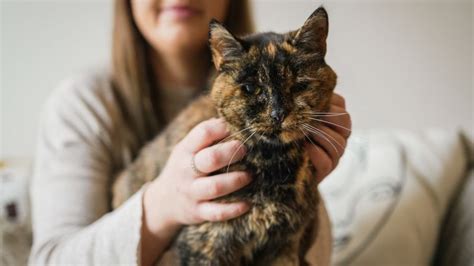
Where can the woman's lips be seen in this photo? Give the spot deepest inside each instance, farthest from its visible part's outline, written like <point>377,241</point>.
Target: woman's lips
<point>180,12</point>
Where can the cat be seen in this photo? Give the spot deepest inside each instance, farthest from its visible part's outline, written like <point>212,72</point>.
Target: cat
<point>270,84</point>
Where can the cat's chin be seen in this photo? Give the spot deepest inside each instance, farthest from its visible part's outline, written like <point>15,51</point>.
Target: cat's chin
<point>272,140</point>
<point>280,138</point>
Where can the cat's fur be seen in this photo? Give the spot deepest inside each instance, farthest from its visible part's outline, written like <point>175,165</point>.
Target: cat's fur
<point>269,82</point>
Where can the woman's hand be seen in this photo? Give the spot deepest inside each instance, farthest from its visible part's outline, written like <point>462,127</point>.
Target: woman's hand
<point>331,142</point>
<point>183,192</point>
<point>187,194</point>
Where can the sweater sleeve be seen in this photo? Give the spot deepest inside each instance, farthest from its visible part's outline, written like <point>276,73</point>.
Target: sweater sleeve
<point>70,191</point>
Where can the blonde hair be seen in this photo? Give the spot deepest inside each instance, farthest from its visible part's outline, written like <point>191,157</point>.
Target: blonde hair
<point>132,72</point>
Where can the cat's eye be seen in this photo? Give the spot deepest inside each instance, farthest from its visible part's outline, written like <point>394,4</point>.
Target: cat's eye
<point>251,89</point>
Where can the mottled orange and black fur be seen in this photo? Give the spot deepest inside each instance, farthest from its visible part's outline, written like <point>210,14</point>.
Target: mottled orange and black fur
<point>267,86</point>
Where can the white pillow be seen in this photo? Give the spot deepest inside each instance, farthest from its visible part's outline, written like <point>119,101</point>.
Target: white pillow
<point>15,226</point>
<point>388,196</point>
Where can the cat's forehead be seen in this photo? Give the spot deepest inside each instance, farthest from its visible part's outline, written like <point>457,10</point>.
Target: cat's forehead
<point>269,44</point>
<point>263,68</point>
<point>269,57</point>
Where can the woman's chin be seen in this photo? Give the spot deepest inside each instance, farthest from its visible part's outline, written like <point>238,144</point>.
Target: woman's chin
<point>180,37</point>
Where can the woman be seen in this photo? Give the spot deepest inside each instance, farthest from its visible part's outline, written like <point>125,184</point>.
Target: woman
<point>94,125</point>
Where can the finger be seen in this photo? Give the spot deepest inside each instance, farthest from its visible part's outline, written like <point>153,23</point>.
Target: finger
<point>321,161</point>
<point>332,142</point>
<point>204,134</point>
<point>340,123</point>
<point>217,212</point>
<point>338,100</point>
<point>207,188</point>
<point>216,157</point>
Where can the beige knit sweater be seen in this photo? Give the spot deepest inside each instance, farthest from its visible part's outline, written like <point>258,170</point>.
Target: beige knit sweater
<point>84,139</point>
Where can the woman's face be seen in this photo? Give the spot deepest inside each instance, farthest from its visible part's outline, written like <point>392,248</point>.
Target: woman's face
<point>177,25</point>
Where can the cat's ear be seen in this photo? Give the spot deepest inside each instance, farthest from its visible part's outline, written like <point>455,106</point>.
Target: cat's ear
<point>224,46</point>
<point>312,35</point>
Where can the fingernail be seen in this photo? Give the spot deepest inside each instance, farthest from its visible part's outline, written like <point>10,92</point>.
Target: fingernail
<point>242,207</point>
<point>235,143</point>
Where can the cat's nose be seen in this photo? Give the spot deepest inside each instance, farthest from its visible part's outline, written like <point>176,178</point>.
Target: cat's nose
<point>277,115</point>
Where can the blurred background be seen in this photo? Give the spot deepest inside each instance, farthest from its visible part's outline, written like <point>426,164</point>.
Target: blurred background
<point>401,64</point>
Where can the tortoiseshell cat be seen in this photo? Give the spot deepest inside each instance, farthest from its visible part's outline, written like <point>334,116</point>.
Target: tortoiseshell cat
<point>268,83</point>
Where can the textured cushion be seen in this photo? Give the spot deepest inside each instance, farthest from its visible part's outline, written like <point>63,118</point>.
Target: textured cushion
<point>456,242</point>
<point>389,194</point>
<point>15,227</point>
<point>386,200</point>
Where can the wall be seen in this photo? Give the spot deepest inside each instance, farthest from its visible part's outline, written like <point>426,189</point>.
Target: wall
<point>401,64</point>
<point>43,42</point>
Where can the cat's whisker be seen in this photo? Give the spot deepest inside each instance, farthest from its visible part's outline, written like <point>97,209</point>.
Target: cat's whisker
<point>261,136</point>
<point>324,113</point>
<point>307,137</point>
<point>326,134</point>
<point>331,123</point>
<point>327,140</point>
<point>259,139</point>
<point>240,146</point>
<point>327,115</point>
<point>249,128</point>
<point>357,141</point>
<point>322,136</point>
<point>298,144</point>
<point>233,135</point>
<point>302,131</point>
